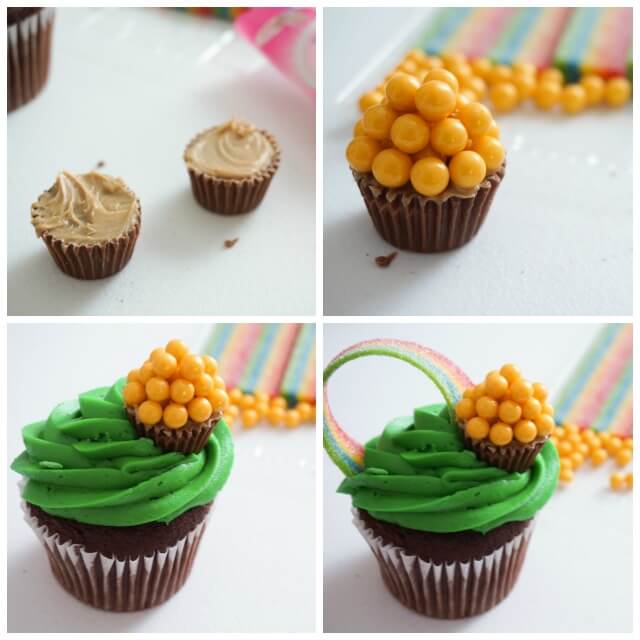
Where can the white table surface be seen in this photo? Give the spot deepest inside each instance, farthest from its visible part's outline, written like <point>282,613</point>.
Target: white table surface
<point>131,87</point>
<point>255,569</point>
<point>577,576</point>
<point>558,239</point>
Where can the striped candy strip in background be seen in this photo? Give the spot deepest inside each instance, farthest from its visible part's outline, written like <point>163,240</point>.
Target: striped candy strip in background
<point>226,13</point>
<point>578,41</point>
<point>598,394</point>
<point>276,359</point>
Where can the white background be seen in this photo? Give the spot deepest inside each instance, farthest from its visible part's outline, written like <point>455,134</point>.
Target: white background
<point>558,239</point>
<point>131,87</point>
<point>577,576</point>
<point>255,567</point>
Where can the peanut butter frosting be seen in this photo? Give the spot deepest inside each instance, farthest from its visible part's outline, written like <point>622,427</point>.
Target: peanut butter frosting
<point>235,149</point>
<point>85,209</point>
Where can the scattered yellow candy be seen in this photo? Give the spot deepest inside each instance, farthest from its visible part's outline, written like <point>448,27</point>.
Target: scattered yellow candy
<point>547,94</point>
<point>598,457</point>
<point>573,98</point>
<point>617,92</point>
<point>481,67</point>
<point>566,475</point>
<point>623,457</point>
<point>275,415</point>
<point>504,96</point>
<point>628,480</point>
<point>305,410</point>
<point>525,84</point>
<point>616,481</point>
<point>249,418</point>
<point>551,75</point>
<point>594,89</point>
<point>291,418</point>
<point>500,73</point>
<point>235,395</point>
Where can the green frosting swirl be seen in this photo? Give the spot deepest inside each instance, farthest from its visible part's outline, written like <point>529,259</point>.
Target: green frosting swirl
<point>419,475</point>
<point>85,462</point>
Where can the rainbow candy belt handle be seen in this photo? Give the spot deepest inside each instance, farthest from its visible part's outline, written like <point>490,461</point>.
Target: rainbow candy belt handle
<point>346,452</point>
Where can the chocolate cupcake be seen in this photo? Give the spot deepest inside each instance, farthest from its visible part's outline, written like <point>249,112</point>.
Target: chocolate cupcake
<point>427,162</point>
<point>176,398</point>
<point>119,519</point>
<point>506,420</point>
<point>90,224</point>
<point>231,166</point>
<point>448,530</point>
<point>29,31</point>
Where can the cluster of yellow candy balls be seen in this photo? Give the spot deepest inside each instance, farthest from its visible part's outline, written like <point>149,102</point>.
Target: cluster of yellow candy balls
<point>508,86</point>
<point>427,132</point>
<point>506,406</point>
<point>576,446</point>
<point>251,408</point>
<point>175,385</point>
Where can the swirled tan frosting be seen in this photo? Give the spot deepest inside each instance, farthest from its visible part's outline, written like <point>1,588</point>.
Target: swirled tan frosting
<point>85,209</point>
<point>233,150</point>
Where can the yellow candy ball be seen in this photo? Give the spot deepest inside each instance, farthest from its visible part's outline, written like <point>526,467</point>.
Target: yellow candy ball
<point>231,409</point>
<point>229,419</point>
<point>525,431</point>
<point>476,118</point>
<point>479,390</point>
<point>358,129</point>
<point>582,448</point>
<point>462,71</point>
<point>305,410</point>
<point>525,84</point>
<point>510,372</point>
<point>573,98</point>
<point>477,428</point>
<point>486,407</point>
<point>469,94</point>
<point>477,85</point>
<point>275,415</point>
<point>175,415</point>
<point>452,57</point>
<point>410,133</point>
<point>407,66</point>
<point>500,73</point>
<point>461,101</point>
<point>540,391</point>
<point>435,100</point>
<point>377,121</point>
<point>467,169</point>
<point>465,409</point>
<point>616,481</point>
<point>157,389</point>
<point>199,409</point>
<point>564,448</point>
<point>210,365</point>
<point>248,401</point>
<point>203,385</point>
<point>235,395</point>
<point>250,418</point>
<point>547,94</point>
<point>509,412</point>
<point>429,176</point>
<point>504,96</point>
<point>594,88</point>
<point>432,62</point>
<point>391,168</point>
<point>566,475</point>
<point>523,67</point>
<point>132,376</point>
<point>291,418</point>
<point>401,92</point>
<point>496,385</point>
<point>491,151</point>
<point>623,457</point>
<point>532,409</point>
<point>521,391</point>
<point>218,399</point>
<point>628,480</point>
<point>545,425</point>
<point>145,372</point>
<point>449,136</point>
<point>164,364</point>
<point>428,152</point>
<point>149,412</point>
<point>482,67</point>
<point>551,75</point>
<point>547,408</point>
<point>181,391</point>
<point>191,367</point>
<point>577,458</point>
<point>566,463</point>
<point>219,383</point>
<point>443,75</point>
<point>501,434</point>
<point>617,92</point>
<point>361,152</point>
<point>177,348</point>
<point>279,401</point>
<point>493,131</point>
<point>370,99</point>
<point>262,408</point>
<point>133,393</point>
<point>627,443</point>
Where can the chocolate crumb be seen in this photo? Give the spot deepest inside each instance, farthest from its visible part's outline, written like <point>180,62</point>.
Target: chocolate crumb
<point>230,243</point>
<point>385,261</point>
<point>100,164</point>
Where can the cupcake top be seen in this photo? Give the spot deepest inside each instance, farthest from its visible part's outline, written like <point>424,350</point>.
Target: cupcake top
<point>418,474</point>
<point>235,149</point>
<point>85,209</point>
<point>86,463</point>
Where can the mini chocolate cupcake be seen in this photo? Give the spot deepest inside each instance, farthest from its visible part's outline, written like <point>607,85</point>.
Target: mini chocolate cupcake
<point>506,420</point>
<point>175,398</point>
<point>427,162</point>
<point>231,166</point>
<point>90,224</point>
<point>29,32</point>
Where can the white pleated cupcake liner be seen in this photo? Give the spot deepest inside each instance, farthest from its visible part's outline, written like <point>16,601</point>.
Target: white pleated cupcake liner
<point>104,582</point>
<point>448,590</point>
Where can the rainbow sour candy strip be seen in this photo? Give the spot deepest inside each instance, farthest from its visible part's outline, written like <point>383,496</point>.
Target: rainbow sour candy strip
<point>299,381</point>
<point>598,394</point>
<point>451,381</point>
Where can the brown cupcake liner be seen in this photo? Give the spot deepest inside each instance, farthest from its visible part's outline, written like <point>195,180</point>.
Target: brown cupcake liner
<point>512,457</point>
<point>230,196</point>
<point>28,53</point>
<point>106,582</point>
<point>411,221</point>
<point>191,438</point>
<point>449,590</point>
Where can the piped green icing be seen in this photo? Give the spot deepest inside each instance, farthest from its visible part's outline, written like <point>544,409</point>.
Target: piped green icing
<point>419,475</point>
<point>86,463</point>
